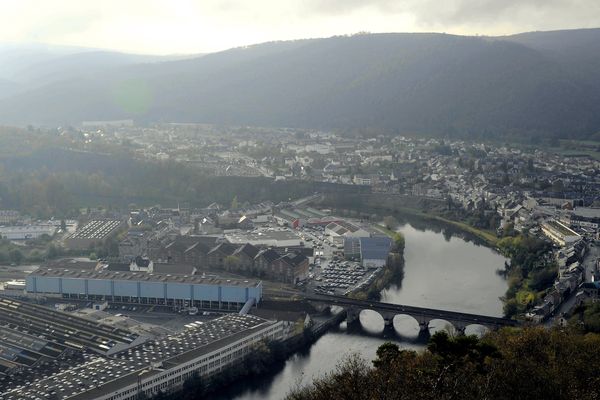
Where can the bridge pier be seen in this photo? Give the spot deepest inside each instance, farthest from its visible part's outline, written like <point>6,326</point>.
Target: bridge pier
<point>423,315</point>
<point>424,335</point>
<point>388,318</point>
<point>352,316</point>
<point>459,330</point>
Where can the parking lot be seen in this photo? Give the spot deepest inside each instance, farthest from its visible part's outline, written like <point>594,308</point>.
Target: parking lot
<point>331,273</point>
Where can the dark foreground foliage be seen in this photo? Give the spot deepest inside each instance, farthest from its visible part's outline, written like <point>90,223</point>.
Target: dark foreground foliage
<point>509,364</point>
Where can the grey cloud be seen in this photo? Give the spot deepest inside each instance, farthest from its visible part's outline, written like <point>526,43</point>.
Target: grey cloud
<point>459,12</point>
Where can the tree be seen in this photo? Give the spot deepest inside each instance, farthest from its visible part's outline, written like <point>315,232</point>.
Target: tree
<point>386,353</point>
<point>591,317</point>
<point>52,252</point>
<point>234,203</point>
<point>399,242</point>
<point>390,222</point>
<point>16,256</point>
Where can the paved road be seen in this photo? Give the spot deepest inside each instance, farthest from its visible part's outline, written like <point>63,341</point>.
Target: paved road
<point>590,261</point>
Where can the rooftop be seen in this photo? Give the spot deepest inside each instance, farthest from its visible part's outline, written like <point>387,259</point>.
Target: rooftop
<point>141,276</point>
<point>377,247</point>
<point>266,235</point>
<point>97,229</point>
<point>564,230</point>
<point>48,325</point>
<point>96,376</point>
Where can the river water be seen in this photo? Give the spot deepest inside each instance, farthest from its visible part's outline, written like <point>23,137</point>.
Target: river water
<point>441,270</point>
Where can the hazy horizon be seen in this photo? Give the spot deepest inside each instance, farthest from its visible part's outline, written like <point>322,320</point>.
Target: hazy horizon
<point>175,54</point>
<point>192,27</point>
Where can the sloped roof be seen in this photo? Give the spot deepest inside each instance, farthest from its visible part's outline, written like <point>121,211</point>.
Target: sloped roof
<point>248,249</point>
<point>224,248</point>
<point>269,254</point>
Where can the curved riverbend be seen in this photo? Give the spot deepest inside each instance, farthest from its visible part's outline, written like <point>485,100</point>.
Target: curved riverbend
<point>441,271</point>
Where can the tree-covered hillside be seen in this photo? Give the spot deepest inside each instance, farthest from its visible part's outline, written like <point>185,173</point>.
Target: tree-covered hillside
<point>393,83</point>
<point>510,364</point>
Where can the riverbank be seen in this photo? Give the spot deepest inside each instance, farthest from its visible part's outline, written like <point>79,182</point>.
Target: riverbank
<point>392,271</point>
<point>488,237</point>
<point>265,361</point>
<point>379,206</point>
<point>434,268</point>
<point>377,211</point>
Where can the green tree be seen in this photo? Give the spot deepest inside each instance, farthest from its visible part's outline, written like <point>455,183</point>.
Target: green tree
<point>591,317</point>
<point>52,252</point>
<point>386,354</point>
<point>16,256</point>
<point>234,203</point>
<point>399,242</point>
<point>390,222</point>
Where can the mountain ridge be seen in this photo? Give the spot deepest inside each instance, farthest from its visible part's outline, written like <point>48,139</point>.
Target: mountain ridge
<point>539,83</point>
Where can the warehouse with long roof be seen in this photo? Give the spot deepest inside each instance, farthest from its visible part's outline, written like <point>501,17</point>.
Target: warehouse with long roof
<point>144,288</point>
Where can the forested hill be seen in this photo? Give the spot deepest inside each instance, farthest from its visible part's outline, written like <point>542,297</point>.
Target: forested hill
<point>544,83</point>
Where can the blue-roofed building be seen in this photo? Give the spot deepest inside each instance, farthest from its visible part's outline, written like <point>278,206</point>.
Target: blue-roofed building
<point>374,251</point>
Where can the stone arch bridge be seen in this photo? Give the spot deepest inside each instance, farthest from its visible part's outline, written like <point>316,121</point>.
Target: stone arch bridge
<point>423,316</point>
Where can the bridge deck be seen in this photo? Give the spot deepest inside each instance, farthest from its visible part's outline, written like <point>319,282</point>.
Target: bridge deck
<point>412,310</point>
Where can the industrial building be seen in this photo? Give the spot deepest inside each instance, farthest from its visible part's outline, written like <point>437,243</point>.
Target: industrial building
<point>26,232</point>
<point>93,233</point>
<point>9,217</point>
<point>161,365</point>
<point>583,218</point>
<point>42,327</point>
<point>559,233</point>
<point>270,238</point>
<point>301,217</point>
<point>339,230</point>
<point>372,252</point>
<point>144,288</point>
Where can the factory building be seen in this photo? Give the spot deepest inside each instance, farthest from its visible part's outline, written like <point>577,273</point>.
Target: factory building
<point>339,230</point>
<point>372,252</point>
<point>559,233</point>
<point>93,233</point>
<point>23,324</point>
<point>203,349</point>
<point>144,288</point>
<point>271,238</point>
<point>26,232</point>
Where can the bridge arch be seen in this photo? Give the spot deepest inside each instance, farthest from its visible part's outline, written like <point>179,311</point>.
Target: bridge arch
<point>406,326</point>
<point>438,324</point>
<point>371,321</point>
<point>430,320</point>
<point>476,329</point>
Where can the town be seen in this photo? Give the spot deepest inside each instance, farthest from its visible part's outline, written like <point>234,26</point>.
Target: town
<point>168,293</point>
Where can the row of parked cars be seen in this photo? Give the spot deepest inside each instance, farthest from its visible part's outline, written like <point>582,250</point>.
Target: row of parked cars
<point>341,275</point>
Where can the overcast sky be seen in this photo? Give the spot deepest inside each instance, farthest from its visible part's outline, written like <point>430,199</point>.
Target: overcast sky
<point>195,26</point>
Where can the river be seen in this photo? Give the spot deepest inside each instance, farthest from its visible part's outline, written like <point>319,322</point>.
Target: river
<point>441,270</point>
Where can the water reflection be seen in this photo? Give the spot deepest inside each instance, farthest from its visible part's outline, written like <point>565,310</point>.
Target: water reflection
<point>406,327</point>
<point>442,270</point>
<point>453,275</point>
<point>371,321</point>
